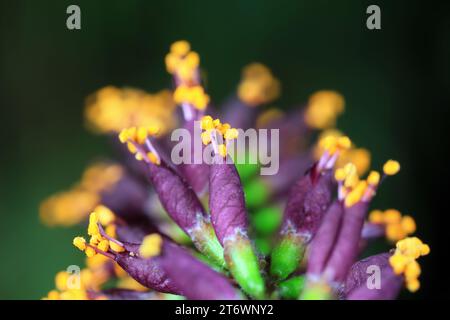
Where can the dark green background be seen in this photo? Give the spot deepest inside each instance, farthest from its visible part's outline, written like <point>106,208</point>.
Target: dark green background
<point>395,80</point>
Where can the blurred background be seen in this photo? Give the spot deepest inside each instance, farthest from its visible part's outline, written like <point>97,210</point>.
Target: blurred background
<point>395,80</point>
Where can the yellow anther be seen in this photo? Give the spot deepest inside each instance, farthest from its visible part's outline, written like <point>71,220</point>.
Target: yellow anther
<point>80,243</point>
<point>216,123</point>
<point>53,295</point>
<point>392,216</point>
<point>90,252</point>
<point>111,109</point>
<point>231,134</point>
<point>328,143</point>
<point>223,128</point>
<point>323,109</point>
<point>116,247</point>
<point>394,232</point>
<point>141,135</point>
<point>61,280</point>
<point>413,285</point>
<point>153,130</point>
<point>398,263</point>
<point>356,194</point>
<point>408,224</point>
<point>222,150</point>
<point>93,224</point>
<point>403,261</point>
<point>111,230</point>
<point>153,158</point>
<point>340,174</point>
<point>391,167</point>
<point>376,216</point>
<point>105,215</point>
<point>194,96</point>
<point>131,147</point>
<point>412,247</point>
<point>374,178</point>
<point>424,250</point>
<point>103,245</point>
<point>344,143</point>
<point>95,239</point>
<point>151,246</point>
<point>206,137</point>
<point>258,85</point>
<point>180,47</point>
<point>139,156</point>
<point>207,123</point>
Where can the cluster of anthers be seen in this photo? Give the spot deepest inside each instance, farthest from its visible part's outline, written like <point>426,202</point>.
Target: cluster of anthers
<point>217,133</point>
<point>102,231</point>
<point>258,85</point>
<point>138,142</point>
<point>352,189</point>
<point>397,227</point>
<point>71,206</point>
<point>403,261</point>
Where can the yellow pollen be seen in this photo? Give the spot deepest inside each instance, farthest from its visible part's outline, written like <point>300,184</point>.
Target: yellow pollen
<point>103,245</point>
<point>258,85</point>
<point>61,280</point>
<point>93,224</point>
<point>207,123</point>
<point>340,174</point>
<point>231,134</point>
<point>323,109</point>
<point>105,215</point>
<point>376,216</point>
<point>373,178</point>
<point>151,246</point>
<point>90,252</point>
<point>206,137</point>
<point>403,261</point>
<point>222,150</point>
<point>115,247</point>
<point>80,243</point>
<point>153,158</point>
<point>180,47</point>
<point>391,167</point>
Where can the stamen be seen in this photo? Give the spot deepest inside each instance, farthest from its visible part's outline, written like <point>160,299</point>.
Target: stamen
<point>151,246</point>
<point>403,261</point>
<point>215,132</point>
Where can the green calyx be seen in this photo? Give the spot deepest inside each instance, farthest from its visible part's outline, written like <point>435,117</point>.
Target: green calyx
<point>317,291</point>
<point>291,288</point>
<point>244,266</point>
<point>205,240</point>
<point>286,256</point>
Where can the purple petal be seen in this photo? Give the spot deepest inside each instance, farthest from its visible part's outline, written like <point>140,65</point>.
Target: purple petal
<point>308,201</point>
<point>226,200</point>
<point>356,287</point>
<point>176,196</point>
<point>148,272</point>
<point>346,248</point>
<point>324,240</point>
<point>195,174</point>
<point>195,279</point>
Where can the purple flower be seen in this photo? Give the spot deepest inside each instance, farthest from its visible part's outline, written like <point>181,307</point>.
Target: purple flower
<point>151,233</point>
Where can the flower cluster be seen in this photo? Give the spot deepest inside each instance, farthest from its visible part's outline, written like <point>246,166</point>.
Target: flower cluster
<point>159,230</point>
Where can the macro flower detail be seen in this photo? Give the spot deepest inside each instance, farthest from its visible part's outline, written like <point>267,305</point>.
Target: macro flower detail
<point>158,229</point>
